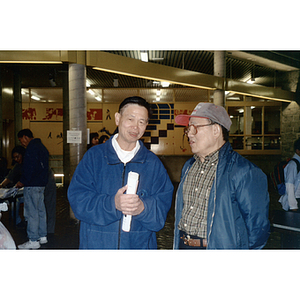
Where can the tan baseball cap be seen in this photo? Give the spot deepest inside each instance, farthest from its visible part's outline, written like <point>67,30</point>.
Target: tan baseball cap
<point>216,113</point>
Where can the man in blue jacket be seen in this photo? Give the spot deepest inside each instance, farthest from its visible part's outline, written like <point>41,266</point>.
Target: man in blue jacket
<point>34,179</point>
<point>97,192</point>
<point>222,201</point>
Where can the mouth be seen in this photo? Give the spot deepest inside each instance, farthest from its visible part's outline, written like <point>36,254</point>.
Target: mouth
<point>134,134</point>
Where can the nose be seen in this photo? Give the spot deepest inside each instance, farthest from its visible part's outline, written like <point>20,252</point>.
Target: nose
<point>135,124</point>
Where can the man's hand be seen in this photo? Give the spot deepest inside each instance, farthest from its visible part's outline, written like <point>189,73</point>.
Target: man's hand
<point>19,184</point>
<point>128,204</point>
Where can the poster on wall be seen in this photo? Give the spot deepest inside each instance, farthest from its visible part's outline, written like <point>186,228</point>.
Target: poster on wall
<point>51,135</point>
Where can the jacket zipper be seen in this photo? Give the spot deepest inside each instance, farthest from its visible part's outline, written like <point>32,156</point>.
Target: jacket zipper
<point>213,214</point>
<point>120,221</point>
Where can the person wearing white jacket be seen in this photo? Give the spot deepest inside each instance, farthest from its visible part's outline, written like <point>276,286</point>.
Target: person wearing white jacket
<point>291,199</point>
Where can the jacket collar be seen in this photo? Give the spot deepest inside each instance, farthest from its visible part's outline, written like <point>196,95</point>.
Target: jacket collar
<point>113,159</point>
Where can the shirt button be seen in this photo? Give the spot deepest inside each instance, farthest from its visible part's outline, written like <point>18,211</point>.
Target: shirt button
<point>202,172</point>
<point>185,225</point>
<point>191,207</point>
<point>196,189</point>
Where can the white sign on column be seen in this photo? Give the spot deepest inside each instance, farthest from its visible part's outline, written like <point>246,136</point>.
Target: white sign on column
<point>74,137</point>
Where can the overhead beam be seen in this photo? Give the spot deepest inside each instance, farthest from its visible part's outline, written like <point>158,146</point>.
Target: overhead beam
<point>260,91</point>
<point>42,57</point>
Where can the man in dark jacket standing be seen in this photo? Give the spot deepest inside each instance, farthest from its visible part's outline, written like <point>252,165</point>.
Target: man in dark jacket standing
<point>222,201</point>
<point>97,192</point>
<point>34,179</point>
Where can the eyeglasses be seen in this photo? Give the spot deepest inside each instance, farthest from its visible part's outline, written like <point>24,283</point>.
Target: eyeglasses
<point>192,129</point>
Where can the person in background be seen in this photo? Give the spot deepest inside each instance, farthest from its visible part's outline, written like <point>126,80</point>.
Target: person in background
<point>14,176</point>
<point>103,139</point>
<point>290,200</point>
<point>50,202</point>
<point>94,140</point>
<point>3,168</point>
<point>97,192</point>
<point>222,201</point>
<point>34,179</point>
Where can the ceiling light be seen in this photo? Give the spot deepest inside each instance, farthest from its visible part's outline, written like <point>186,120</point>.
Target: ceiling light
<point>158,92</point>
<point>165,84</point>
<point>98,98</point>
<point>157,99</point>
<point>35,98</point>
<point>144,56</point>
<point>8,91</point>
<point>91,92</point>
<point>87,83</point>
<point>250,81</point>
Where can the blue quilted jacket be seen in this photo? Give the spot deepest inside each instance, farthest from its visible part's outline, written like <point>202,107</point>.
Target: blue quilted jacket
<point>238,205</point>
<point>91,193</point>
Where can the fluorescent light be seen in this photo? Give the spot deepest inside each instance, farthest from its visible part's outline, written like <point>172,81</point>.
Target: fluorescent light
<point>35,98</point>
<point>158,92</point>
<point>8,91</point>
<point>98,98</point>
<point>165,84</point>
<point>144,56</point>
<point>250,81</point>
<point>157,99</point>
<point>91,92</point>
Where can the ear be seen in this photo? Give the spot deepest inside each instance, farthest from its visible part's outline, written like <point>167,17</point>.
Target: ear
<point>217,131</point>
<point>117,118</point>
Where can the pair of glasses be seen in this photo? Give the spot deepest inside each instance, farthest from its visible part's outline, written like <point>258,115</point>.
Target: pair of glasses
<point>192,129</point>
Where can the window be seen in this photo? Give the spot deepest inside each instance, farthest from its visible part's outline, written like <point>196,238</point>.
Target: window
<point>255,126</point>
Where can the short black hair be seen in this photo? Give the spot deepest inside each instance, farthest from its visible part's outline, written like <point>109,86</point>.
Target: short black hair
<point>136,100</point>
<point>18,149</point>
<point>27,132</point>
<point>297,145</point>
<point>103,138</point>
<point>93,135</point>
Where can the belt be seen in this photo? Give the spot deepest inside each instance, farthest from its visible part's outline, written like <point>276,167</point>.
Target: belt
<point>194,242</point>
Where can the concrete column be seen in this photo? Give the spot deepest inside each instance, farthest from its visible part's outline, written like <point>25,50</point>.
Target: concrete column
<point>77,112</point>
<point>17,103</point>
<point>220,71</point>
<point>77,116</point>
<point>66,127</point>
